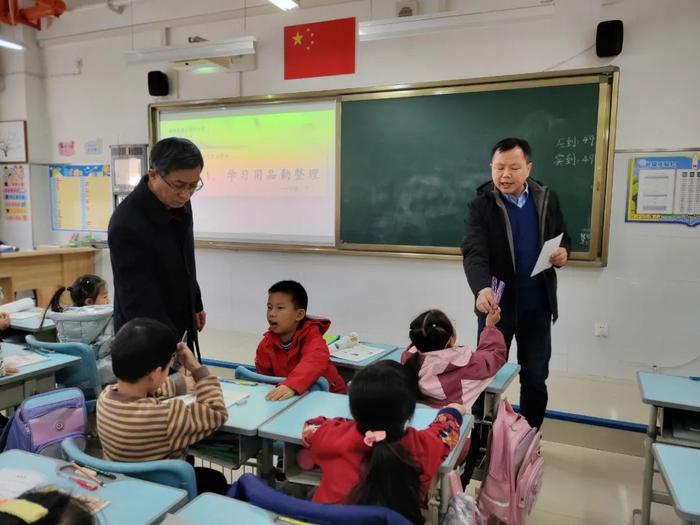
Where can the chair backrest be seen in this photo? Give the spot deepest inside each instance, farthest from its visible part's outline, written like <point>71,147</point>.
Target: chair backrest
<point>254,490</point>
<point>172,472</point>
<point>83,375</point>
<point>247,374</point>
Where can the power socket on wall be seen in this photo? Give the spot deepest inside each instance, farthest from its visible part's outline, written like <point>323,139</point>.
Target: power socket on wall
<point>600,329</point>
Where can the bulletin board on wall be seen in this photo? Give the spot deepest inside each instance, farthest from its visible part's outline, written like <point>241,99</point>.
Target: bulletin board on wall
<point>81,197</point>
<point>404,161</point>
<point>664,188</point>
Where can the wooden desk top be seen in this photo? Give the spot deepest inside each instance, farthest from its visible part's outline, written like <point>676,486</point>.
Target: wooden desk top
<point>54,251</point>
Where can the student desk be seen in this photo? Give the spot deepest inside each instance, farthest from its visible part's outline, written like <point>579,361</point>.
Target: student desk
<point>31,379</point>
<point>131,501</point>
<point>243,421</point>
<point>208,509</point>
<point>42,270</point>
<point>680,468</point>
<point>663,392</point>
<point>287,427</point>
<point>359,365</point>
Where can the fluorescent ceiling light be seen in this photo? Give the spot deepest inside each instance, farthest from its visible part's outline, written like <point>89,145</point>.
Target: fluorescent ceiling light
<point>226,48</point>
<point>285,5</point>
<point>421,24</point>
<point>9,44</point>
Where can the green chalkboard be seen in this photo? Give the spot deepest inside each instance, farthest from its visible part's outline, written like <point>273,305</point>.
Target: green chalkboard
<point>411,164</point>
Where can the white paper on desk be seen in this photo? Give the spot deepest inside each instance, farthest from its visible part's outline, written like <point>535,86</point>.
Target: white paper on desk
<point>234,398</point>
<point>230,398</point>
<point>548,249</point>
<point>24,358</point>
<point>357,353</point>
<point>14,482</point>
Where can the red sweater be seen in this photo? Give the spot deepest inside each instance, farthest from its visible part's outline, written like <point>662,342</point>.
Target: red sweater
<point>337,446</point>
<point>306,360</point>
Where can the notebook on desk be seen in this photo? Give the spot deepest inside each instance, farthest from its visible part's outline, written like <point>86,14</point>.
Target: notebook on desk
<point>357,353</point>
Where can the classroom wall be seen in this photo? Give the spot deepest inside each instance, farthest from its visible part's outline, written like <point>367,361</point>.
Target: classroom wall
<point>647,293</point>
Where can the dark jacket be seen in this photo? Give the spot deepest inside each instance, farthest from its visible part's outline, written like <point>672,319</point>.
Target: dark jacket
<point>487,247</point>
<point>152,253</point>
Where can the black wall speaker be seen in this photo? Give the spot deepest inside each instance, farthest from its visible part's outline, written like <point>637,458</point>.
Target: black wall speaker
<point>608,38</point>
<point>158,84</point>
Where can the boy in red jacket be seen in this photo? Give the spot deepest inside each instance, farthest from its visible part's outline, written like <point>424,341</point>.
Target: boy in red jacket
<point>293,346</point>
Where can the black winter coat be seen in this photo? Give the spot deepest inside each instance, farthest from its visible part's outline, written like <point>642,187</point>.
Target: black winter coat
<point>152,254</point>
<point>487,247</point>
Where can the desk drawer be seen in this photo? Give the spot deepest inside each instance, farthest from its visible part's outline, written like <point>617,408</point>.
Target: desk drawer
<point>39,384</point>
<point>11,395</point>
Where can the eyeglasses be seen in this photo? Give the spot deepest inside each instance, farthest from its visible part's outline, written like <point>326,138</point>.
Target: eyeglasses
<point>184,188</point>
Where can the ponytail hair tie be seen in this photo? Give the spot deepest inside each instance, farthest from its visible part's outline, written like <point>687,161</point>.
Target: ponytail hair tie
<point>374,436</point>
<point>24,510</point>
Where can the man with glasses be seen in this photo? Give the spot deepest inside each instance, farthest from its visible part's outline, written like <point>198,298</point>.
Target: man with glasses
<point>508,221</point>
<point>152,245</point>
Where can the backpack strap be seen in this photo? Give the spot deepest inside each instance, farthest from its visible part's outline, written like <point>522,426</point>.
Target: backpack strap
<point>102,331</point>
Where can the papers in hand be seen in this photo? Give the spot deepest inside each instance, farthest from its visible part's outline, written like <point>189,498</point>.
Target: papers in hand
<point>230,398</point>
<point>548,249</point>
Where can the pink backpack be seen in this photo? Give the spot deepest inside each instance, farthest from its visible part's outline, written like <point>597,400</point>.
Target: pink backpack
<point>515,468</point>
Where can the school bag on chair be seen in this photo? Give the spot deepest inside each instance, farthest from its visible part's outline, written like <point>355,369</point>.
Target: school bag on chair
<point>514,470</point>
<point>44,420</point>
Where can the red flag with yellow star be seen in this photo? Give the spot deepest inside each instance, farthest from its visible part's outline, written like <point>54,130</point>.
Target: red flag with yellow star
<point>320,49</point>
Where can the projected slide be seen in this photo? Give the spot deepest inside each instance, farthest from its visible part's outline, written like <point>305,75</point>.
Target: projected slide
<point>269,171</point>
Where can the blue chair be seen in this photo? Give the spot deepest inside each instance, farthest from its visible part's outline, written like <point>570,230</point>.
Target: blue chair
<point>82,375</point>
<point>255,491</point>
<point>172,472</point>
<point>245,373</point>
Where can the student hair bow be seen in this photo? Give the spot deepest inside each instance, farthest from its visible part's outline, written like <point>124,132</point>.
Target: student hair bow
<point>374,436</point>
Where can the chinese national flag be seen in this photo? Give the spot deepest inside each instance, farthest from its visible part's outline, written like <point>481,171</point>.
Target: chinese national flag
<point>319,49</point>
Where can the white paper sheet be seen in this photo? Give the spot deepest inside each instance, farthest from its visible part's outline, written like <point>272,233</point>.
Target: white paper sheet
<point>27,314</point>
<point>14,482</point>
<point>357,353</point>
<point>17,306</point>
<point>24,358</point>
<point>548,249</point>
<point>230,398</point>
<point>656,188</point>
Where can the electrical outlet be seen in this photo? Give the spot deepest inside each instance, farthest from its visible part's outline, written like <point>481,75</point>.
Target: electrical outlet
<point>600,329</point>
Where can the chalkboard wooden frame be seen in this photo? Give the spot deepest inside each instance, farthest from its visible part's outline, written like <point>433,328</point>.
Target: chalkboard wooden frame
<point>606,77</point>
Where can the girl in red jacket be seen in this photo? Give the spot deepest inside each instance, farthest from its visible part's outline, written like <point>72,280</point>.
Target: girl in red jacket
<point>378,459</point>
<point>294,347</point>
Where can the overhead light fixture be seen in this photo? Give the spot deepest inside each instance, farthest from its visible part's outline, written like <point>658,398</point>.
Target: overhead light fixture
<point>285,5</point>
<point>202,51</point>
<point>421,24</point>
<point>9,44</point>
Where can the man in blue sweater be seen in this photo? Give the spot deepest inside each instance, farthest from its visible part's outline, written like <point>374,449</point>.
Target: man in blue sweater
<point>508,221</point>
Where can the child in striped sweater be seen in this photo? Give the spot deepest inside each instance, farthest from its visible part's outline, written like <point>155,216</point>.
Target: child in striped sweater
<point>137,419</point>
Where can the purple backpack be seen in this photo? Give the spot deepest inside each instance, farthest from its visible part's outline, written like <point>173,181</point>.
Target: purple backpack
<point>44,420</point>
